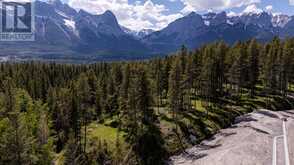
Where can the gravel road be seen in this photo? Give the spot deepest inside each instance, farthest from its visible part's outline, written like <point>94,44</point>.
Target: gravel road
<point>248,142</point>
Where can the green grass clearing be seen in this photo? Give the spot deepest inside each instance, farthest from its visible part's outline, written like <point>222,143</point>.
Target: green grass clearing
<point>105,133</point>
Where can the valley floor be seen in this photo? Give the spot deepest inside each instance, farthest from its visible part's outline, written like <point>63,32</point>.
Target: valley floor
<point>248,142</point>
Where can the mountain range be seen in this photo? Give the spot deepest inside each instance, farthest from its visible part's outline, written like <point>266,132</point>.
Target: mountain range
<point>62,32</point>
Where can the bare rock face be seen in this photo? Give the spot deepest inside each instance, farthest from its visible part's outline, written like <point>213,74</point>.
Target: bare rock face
<point>248,142</point>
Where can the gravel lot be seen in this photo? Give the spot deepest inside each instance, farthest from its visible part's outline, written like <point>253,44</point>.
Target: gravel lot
<point>248,142</point>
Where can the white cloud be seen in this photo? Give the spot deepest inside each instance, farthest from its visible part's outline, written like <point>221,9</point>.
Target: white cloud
<point>202,5</point>
<point>134,16</point>
<point>187,9</point>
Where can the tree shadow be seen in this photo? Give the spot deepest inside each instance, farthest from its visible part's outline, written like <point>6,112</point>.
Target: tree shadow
<point>267,113</point>
<point>194,157</point>
<point>150,148</point>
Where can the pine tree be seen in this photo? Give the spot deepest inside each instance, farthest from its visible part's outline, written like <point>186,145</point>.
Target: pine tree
<point>143,96</point>
<point>271,68</point>
<point>101,93</point>
<point>45,146</point>
<point>112,96</point>
<point>125,82</point>
<point>158,82</point>
<point>83,91</point>
<point>175,93</point>
<point>75,115</point>
<point>237,71</point>
<point>286,66</point>
<point>209,79</point>
<point>93,83</point>
<point>165,77</point>
<point>124,96</point>
<point>132,120</point>
<point>62,120</point>
<point>17,141</point>
<point>183,56</point>
<point>253,54</point>
<point>221,51</point>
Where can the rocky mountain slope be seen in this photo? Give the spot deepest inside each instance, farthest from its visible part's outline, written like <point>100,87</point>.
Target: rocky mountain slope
<point>195,30</point>
<point>63,32</point>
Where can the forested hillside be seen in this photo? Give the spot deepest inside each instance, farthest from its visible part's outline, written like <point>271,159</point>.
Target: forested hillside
<point>137,112</point>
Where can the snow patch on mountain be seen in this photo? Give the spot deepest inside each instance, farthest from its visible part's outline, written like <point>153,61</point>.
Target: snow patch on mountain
<point>207,23</point>
<point>62,14</point>
<point>137,34</point>
<point>251,10</point>
<point>70,24</point>
<point>230,22</point>
<point>145,32</point>
<point>280,20</point>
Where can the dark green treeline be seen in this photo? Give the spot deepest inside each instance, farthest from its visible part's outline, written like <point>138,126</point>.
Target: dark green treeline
<point>45,109</point>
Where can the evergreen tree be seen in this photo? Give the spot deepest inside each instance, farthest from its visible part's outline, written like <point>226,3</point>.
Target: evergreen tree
<point>271,68</point>
<point>175,93</point>
<point>83,92</point>
<point>237,71</point>
<point>143,96</point>
<point>253,54</point>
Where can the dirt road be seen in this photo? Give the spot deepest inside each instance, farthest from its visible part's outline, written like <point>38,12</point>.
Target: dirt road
<point>250,141</point>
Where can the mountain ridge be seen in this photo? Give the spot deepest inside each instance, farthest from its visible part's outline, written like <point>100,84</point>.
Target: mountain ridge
<point>65,32</point>
<point>195,30</point>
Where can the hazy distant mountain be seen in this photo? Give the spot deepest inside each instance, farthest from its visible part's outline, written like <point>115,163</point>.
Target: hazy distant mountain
<point>145,32</point>
<point>176,33</point>
<point>61,31</point>
<point>195,30</point>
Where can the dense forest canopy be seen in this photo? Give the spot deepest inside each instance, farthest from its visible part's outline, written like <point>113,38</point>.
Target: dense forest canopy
<point>136,112</point>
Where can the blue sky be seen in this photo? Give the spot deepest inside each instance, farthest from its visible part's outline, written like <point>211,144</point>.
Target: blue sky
<point>156,14</point>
